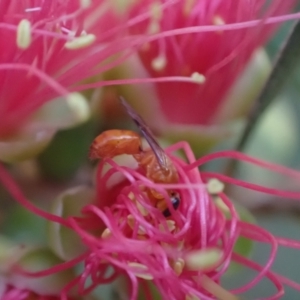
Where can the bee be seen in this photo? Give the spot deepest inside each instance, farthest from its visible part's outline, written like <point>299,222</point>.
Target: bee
<point>156,165</point>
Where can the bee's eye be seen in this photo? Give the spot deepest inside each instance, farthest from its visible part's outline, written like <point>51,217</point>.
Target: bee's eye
<point>175,199</point>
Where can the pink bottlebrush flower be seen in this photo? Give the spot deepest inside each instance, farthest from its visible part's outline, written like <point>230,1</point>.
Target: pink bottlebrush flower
<point>188,253</point>
<point>184,255</point>
<point>54,49</point>
<point>33,36</point>
<point>187,44</point>
<point>49,48</point>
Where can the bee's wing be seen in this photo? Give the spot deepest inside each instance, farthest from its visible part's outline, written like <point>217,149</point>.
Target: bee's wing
<point>157,150</point>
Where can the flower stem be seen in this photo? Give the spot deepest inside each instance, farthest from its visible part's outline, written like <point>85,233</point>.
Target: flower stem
<point>284,67</point>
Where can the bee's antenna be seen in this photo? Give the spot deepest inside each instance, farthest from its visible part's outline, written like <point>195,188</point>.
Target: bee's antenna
<point>145,130</point>
<point>138,120</point>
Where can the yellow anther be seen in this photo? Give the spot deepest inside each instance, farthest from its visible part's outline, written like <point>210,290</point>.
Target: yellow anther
<point>203,259</point>
<point>142,209</point>
<point>131,223</point>
<point>178,266</point>
<point>217,20</point>
<point>170,224</point>
<point>141,230</point>
<point>215,186</point>
<point>106,233</point>
<point>131,196</point>
<point>140,270</point>
<point>80,42</point>
<point>139,206</point>
<point>24,34</point>
<point>198,78</point>
<point>79,106</point>
<point>159,63</point>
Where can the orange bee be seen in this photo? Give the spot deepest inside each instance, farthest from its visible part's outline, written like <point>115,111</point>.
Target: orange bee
<point>156,164</point>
